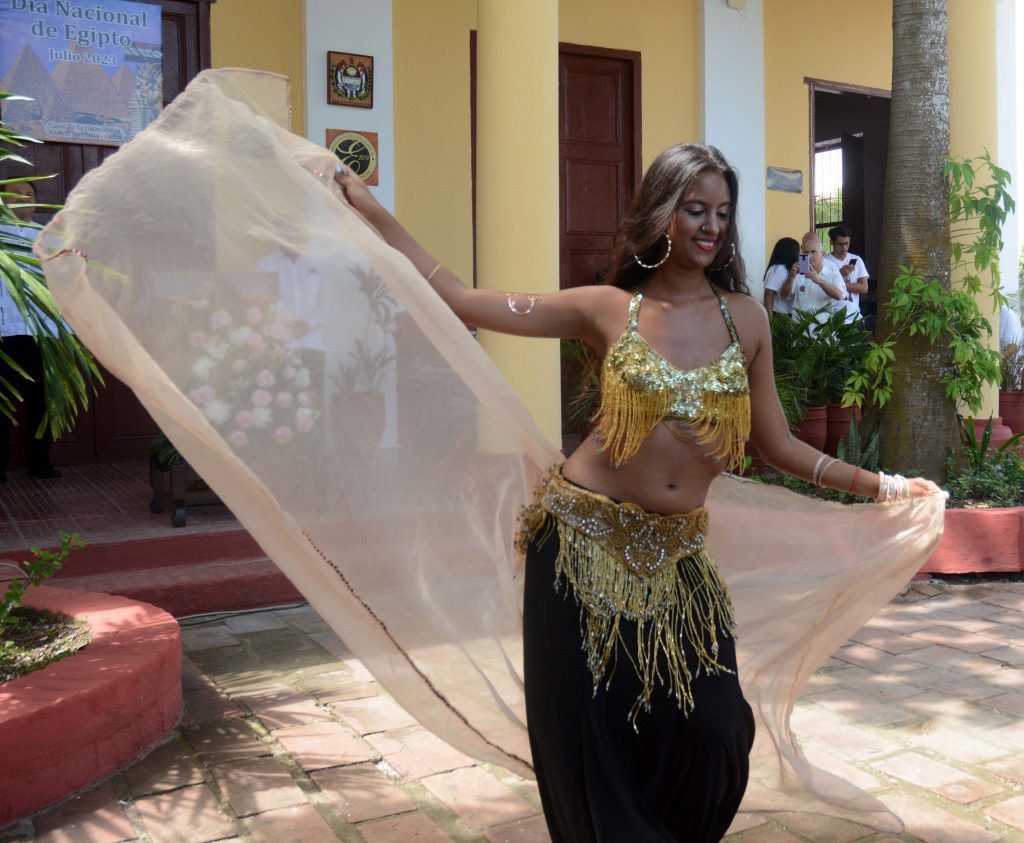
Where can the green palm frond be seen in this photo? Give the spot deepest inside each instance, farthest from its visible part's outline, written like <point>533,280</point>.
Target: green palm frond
<point>70,374</point>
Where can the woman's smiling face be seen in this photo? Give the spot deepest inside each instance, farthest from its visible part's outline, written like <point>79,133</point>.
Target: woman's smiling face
<point>700,225</point>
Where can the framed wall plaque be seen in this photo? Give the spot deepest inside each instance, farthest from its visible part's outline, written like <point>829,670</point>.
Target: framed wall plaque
<point>357,150</point>
<point>349,80</point>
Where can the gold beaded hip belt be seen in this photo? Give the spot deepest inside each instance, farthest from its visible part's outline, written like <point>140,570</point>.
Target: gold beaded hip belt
<point>624,562</point>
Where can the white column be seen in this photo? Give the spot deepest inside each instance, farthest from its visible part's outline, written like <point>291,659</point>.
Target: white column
<point>353,26</point>
<point>1011,125</point>
<point>733,112</point>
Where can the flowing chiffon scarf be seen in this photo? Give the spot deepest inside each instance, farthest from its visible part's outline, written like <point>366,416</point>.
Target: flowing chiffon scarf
<point>358,431</point>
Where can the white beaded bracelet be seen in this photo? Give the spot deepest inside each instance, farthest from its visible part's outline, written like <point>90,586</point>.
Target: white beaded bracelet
<point>892,488</point>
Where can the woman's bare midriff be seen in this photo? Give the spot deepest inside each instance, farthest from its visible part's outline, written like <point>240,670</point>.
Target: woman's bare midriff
<point>666,475</point>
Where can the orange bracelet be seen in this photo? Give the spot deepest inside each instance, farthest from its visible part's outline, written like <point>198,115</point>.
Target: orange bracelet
<point>853,483</point>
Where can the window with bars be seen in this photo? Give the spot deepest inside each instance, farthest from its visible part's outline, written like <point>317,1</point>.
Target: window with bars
<point>828,186</point>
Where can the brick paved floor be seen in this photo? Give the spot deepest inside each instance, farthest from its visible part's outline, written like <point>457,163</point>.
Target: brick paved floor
<point>287,738</point>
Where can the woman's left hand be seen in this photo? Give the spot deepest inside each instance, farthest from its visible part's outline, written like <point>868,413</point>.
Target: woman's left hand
<point>356,193</point>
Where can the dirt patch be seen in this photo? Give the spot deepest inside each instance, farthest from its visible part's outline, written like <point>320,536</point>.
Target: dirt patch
<point>38,639</point>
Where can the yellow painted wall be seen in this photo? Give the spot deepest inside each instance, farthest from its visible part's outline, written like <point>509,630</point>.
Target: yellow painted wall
<point>973,114</point>
<point>432,107</point>
<point>800,40</point>
<point>433,173</point>
<point>264,35</point>
<point>667,34</point>
<point>433,194</point>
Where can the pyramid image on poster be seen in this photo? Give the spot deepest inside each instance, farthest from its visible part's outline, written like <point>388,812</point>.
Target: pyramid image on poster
<point>124,81</point>
<point>91,70</point>
<point>94,100</point>
<point>28,77</point>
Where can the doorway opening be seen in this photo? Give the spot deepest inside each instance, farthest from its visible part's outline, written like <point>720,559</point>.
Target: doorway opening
<point>849,144</point>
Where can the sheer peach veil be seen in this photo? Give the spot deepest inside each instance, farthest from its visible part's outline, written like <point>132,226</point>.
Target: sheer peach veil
<point>357,430</point>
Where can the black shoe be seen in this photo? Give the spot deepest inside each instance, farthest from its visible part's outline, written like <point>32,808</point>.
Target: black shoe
<point>47,473</point>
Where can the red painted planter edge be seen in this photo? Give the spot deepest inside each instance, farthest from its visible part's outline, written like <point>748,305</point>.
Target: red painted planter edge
<point>979,541</point>
<point>84,717</point>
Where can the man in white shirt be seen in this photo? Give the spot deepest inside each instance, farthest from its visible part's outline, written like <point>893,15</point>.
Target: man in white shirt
<point>822,285</point>
<point>17,342</point>
<point>852,268</point>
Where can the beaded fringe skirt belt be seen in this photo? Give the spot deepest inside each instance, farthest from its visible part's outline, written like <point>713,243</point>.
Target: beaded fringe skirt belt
<point>623,562</point>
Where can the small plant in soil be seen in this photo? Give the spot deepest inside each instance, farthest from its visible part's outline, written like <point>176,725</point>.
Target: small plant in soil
<point>30,638</point>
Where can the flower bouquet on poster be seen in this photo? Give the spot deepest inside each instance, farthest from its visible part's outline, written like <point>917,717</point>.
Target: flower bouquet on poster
<point>93,69</point>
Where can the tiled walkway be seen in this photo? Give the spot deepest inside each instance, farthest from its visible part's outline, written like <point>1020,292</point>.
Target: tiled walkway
<point>287,739</point>
<point>102,502</point>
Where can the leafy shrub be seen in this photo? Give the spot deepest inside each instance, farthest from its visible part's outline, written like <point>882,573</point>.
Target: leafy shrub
<point>44,564</point>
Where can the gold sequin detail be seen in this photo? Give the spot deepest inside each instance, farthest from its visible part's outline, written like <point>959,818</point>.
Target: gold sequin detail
<point>640,388</point>
<point>624,562</point>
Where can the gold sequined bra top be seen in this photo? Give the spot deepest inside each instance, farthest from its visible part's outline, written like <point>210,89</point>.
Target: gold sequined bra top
<point>640,389</point>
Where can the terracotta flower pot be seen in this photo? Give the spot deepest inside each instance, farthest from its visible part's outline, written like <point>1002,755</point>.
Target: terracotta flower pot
<point>838,425</point>
<point>813,429</point>
<point>1011,410</point>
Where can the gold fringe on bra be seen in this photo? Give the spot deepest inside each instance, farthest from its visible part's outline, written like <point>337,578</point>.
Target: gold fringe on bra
<point>625,563</point>
<point>725,417</point>
<point>627,416</point>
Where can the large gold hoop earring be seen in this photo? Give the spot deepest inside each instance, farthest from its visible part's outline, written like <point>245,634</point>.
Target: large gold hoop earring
<point>668,252</point>
<point>728,263</point>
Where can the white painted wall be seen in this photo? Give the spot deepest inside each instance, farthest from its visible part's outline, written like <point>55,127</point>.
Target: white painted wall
<point>733,113</point>
<point>1011,125</point>
<point>363,28</point>
<point>357,27</point>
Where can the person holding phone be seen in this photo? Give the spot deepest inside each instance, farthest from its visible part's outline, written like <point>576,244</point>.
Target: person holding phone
<point>850,266</point>
<point>818,283</point>
<point>780,276</point>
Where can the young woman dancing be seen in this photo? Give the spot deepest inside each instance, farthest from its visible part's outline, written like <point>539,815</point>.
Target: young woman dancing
<point>637,722</point>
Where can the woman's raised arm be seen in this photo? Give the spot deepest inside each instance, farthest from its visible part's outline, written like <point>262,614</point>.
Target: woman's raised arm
<point>573,313</point>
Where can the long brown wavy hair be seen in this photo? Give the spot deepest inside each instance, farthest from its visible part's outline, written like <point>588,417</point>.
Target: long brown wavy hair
<point>661,192</point>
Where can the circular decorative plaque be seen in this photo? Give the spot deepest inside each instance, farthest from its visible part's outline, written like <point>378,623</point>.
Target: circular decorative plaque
<point>356,151</point>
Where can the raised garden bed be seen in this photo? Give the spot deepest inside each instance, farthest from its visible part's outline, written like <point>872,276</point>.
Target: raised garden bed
<point>84,717</point>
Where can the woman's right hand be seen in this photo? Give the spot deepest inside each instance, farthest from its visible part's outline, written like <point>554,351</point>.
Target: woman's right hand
<point>356,193</point>
<point>794,270</point>
<point>921,487</point>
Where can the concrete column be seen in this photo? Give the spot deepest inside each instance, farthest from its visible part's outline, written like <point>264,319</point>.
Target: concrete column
<point>974,115</point>
<point>732,106</point>
<point>517,181</point>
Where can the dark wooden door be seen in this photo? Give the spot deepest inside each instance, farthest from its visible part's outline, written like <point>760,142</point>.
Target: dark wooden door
<point>116,427</point>
<point>599,152</point>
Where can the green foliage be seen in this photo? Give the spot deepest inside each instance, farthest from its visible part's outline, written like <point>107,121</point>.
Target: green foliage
<point>1011,368</point>
<point>992,477</point>
<point>372,359</point>
<point>979,203</point>
<point>44,564</point>
<point>977,450</point>
<point>921,306</point>
<point>791,365</point>
<point>586,388</point>
<point>70,373</point>
<point>855,452</point>
<point>164,451</point>
<point>813,352</point>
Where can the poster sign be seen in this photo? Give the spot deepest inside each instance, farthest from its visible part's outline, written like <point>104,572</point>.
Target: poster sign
<point>94,68</point>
